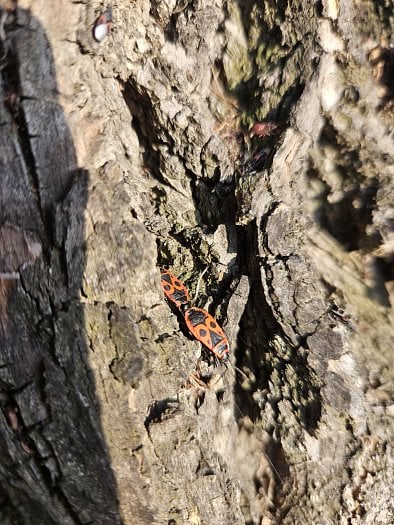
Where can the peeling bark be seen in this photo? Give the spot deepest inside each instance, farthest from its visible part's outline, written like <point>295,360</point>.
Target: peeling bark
<point>120,156</point>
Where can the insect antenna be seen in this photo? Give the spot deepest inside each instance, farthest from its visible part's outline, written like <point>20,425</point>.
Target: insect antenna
<point>238,370</point>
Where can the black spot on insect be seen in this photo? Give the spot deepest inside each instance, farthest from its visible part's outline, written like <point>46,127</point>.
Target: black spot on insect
<point>215,338</point>
<point>202,332</point>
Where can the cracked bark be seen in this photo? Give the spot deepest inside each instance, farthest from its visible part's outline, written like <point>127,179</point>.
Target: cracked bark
<point>121,156</point>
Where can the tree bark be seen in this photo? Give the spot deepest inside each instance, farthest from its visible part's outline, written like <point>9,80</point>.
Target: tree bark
<point>250,139</point>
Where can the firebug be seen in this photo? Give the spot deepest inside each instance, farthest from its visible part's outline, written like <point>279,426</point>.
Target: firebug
<point>205,329</point>
<point>174,289</point>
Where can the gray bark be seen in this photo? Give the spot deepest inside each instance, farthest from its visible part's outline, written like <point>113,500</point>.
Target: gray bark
<point>118,157</point>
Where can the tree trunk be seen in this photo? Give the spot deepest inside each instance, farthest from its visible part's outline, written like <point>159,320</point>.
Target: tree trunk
<point>250,139</point>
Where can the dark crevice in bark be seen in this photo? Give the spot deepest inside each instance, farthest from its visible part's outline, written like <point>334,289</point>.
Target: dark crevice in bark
<point>386,56</point>
<point>223,293</point>
<point>144,123</point>
<point>160,410</point>
<point>256,353</point>
<point>348,217</point>
<point>215,203</point>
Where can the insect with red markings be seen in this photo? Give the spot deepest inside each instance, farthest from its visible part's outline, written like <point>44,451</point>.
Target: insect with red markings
<point>205,329</point>
<point>174,289</point>
<point>103,25</point>
<point>264,129</point>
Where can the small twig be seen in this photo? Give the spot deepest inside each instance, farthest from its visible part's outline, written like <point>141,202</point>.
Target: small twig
<point>198,284</point>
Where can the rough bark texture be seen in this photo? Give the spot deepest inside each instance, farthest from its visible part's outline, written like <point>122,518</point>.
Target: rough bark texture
<point>121,156</point>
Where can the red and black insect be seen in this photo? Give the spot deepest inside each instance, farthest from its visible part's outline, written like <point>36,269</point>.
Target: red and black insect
<point>265,129</point>
<point>174,289</point>
<point>206,330</point>
<point>103,25</point>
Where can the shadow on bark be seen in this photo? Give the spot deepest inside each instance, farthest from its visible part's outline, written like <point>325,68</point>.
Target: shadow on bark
<point>54,465</point>
<point>258,352</point>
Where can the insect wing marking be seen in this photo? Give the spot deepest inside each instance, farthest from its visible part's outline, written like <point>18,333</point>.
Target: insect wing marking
<point>206,330</point>
<point>174,289</point>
